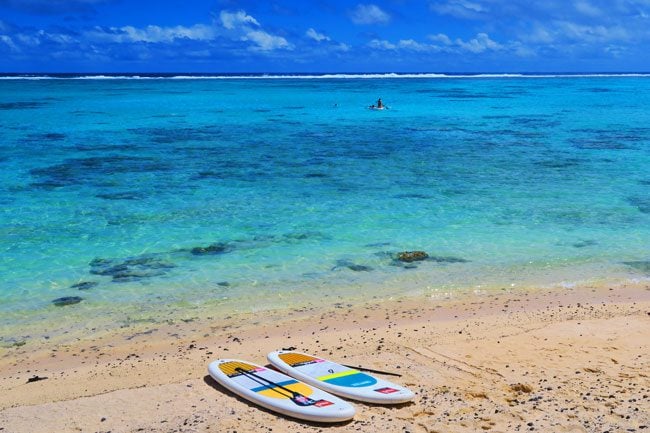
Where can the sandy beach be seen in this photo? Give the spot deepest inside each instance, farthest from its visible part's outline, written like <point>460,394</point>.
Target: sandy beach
<point>556,361</point>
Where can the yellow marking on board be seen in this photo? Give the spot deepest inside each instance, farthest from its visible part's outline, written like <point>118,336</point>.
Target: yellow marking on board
<point>296,358</point>
<point>230,368</point>
<point>337,375</point>
<point>298,387</point>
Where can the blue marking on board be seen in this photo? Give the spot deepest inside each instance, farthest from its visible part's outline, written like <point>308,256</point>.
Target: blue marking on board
<point>356,380</point>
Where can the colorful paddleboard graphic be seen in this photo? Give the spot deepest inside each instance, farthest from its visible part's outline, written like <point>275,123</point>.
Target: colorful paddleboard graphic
<point>295,391</point>
<point>336,374</point>
<point>339,379</point>
<point>277,391</point>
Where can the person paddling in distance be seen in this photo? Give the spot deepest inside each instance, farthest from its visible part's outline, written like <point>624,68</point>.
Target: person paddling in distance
<point>380,105</point>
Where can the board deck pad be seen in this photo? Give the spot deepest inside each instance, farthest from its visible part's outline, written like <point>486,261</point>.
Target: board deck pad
<point>339,379</point>
<point>279,392</point>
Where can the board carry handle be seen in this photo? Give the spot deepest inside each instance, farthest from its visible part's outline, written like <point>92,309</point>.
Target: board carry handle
<point>296,397</point>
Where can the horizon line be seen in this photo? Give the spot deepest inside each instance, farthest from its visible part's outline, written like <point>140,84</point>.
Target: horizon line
<point>319,72</point>
<point>4,76</point>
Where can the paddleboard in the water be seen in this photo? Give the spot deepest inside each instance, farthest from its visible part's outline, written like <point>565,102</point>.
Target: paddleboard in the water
<point>339,379</point>
<point>278,392</point>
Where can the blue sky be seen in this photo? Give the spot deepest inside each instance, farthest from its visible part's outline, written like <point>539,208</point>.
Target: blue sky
<point>324,36</point>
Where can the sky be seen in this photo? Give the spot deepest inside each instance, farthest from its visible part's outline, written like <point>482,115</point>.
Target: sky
<point>324,36</point>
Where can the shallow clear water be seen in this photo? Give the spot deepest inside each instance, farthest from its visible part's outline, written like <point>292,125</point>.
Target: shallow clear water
<point>302,191</point>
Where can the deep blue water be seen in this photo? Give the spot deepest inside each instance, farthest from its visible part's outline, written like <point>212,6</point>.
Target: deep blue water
<point>244,193</point>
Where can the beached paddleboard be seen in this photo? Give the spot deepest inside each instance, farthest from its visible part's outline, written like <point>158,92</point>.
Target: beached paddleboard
<point>338,379</point>
<point>278,392</point>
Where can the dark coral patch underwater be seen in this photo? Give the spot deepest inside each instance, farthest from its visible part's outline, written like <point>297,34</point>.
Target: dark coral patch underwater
<point>640,265</point>
<point>94,170</point>
<point>66,300</point>
<point>131,269</point>
<point>179,134</point>
<point>21,105</point>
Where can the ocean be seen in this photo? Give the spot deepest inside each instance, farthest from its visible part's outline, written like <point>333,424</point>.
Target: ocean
<point>145,198</point>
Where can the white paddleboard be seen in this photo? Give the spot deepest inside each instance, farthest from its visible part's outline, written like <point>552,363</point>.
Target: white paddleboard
<point>338,379</point>
<point>278,392</point>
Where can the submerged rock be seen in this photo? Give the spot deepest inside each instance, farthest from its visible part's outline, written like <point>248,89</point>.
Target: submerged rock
<point>214,249</point>
<point>584,243</point>
<point>171,135</point>
<point>351,266</point>
<point>359,268</point>
<point>411,256</point>
<point>301,236</point>
<point>47,136</point>
<point>408,259</point>
<point>128,275</point>
<point>641,203</point>
<point>447,259</point>
<point>21,105</point>
<point>126,195</point>
<point>641,265</point>
<point>84,285</point>
<point>94,171</point>
<point>132,269</point>
<point>377,244</point>
<point>67,300</point>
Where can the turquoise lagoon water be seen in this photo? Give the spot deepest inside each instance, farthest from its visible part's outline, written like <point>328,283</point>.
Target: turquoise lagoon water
<point>162,195</point>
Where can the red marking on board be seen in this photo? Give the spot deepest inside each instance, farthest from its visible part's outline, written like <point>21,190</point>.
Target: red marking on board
<point>386,390</point>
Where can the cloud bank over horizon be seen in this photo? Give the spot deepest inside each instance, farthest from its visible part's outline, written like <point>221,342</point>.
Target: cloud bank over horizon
<point>329,35</point>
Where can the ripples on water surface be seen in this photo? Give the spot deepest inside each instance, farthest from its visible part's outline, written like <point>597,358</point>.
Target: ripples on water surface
<point>151,193</point>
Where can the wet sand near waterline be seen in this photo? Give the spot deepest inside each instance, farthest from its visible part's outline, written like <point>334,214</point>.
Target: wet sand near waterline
<point>569,361</point>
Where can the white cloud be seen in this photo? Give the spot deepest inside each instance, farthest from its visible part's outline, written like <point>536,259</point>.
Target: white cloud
<point>243,27</point>
<point>410,44</point>
<point>442,43</point>
<point>230,20</point>
<point>369,14</point>
<point>459,8</point>
<point>566,33</point>
<point>587,33</point>
<point>318,37</point>
<point>441,38</point>
<point>539,34</point>
<point>403,44</point>
<point>381,44</point>
<point>586,8</point>
<point>342,47</point>
<point>30,40</point>
<point>152,34</point>
<point>59,38</point>
<point>615,50</point>
<point>9,42</point>
<point>479,44</point>
<point>522,50</point>
<point>237,26</point>
<point>265,41</point>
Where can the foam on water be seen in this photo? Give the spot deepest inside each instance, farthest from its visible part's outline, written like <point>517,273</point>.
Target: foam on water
<point>324,76</point>
<point>178,194</point>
